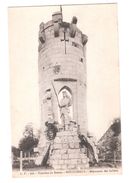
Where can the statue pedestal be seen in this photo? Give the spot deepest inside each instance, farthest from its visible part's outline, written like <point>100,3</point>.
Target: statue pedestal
<point>66,152</point>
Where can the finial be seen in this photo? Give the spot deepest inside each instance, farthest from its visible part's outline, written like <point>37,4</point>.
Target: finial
<point>74,20</point>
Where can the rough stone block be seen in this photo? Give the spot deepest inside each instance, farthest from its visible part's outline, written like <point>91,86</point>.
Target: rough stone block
<point>64,139</point>
<point>77,151</point>
<point>60,134</point>
<point>56,151</point>
<point>71,145</point>
<point>71,128</point>
<point>63,151</point>
<point>87,165</point>
<point>73,161</point>
<point>83,151</point>
<point>57,167</point>
<point>54,162</point>
<point>67,132</point>
<point>76,145</point>
<point>75,129</point>
<point>83,156</point>
<point>65,156</point>
<point>67,161</point>
<point>57,140</point>
<point>71,166</point>
<point>74,156</point>
<point>57,146</point>
<point>64,167</point>
<point>56,156</point>
<point>73,133</point>
<point>70,139</point>
<point>61,162</point>
<point>65,146</point>
<point>84,161</point>
<point>83,166</point>
<point>70,151</point>
<point>78,161</point>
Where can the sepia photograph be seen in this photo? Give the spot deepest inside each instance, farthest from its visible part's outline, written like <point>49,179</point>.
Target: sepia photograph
<point>65,90</point>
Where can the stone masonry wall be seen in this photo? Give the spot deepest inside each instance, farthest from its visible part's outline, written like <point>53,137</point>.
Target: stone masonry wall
<point>66,152</point>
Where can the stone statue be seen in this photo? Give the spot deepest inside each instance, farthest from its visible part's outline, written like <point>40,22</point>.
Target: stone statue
<point>42,37</point>
<point>65,103</point>
<point>73,27</point>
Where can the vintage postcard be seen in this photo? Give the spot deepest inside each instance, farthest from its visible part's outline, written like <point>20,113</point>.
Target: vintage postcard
<point>65,99</point>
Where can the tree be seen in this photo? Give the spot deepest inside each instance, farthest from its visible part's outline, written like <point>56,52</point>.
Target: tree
<point>28,132</point>
<point>29,140</point>
<point>115,142</point>
<point>116,126</point>
<point>15,151</point>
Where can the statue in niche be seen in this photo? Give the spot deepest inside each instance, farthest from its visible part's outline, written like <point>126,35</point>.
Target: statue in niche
<point>65,104</point>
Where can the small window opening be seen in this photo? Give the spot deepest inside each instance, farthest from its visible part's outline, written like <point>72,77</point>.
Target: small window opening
<point>81,60</point>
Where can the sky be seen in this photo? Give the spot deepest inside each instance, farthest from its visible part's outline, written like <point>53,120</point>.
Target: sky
<point>99,23</point>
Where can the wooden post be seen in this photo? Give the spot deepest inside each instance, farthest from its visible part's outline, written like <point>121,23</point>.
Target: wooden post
<point>29,156</point>
<point>115,158</point>
<point>21,154</point>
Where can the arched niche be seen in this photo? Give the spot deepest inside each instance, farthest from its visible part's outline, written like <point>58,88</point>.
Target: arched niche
<point>60,96</point>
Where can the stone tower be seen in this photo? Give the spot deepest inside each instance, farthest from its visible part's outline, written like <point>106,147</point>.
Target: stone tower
<point>62,71</point>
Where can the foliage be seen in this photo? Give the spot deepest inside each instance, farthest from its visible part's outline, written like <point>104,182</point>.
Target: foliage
<point>29,140</point>
<point>28,143</point>
<point>116,127</point>
<point>110,144</point>
<point>51,130</point>
<point>16,151</point>
<point>28,132</point>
